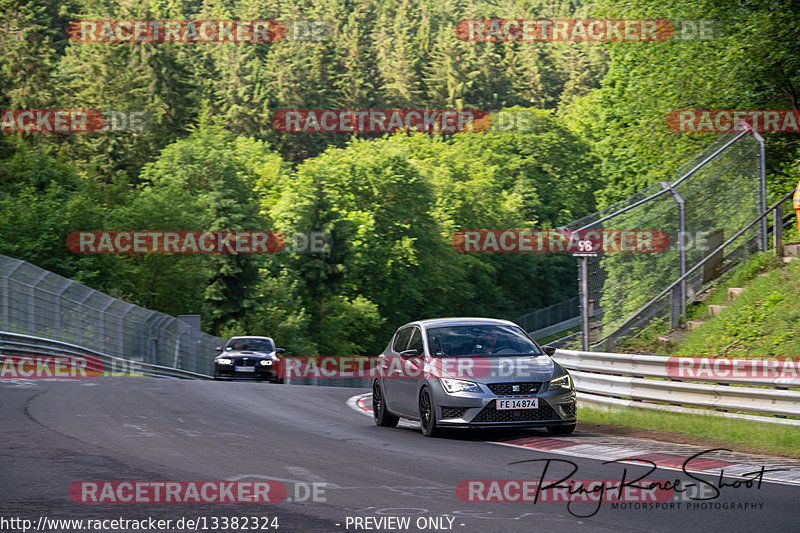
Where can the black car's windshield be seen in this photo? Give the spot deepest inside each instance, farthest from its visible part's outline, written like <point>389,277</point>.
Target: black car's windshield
<point>250,345</point>
<point>485,340</point>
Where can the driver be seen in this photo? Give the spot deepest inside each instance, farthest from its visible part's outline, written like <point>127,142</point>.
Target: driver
<point>492,344</point>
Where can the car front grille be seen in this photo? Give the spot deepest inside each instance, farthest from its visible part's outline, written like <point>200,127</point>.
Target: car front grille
<point>240,361</point>
<point>491,414</point>
<point>453,412</point>
<point>569,408</point>
<point>507,389</point>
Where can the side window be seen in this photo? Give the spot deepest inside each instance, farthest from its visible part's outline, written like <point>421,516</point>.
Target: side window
<point>416,343</point>
<point>401,340</point>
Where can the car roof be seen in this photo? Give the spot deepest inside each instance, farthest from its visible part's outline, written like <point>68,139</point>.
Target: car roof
<point>462,321</point>
<point>239,338</point>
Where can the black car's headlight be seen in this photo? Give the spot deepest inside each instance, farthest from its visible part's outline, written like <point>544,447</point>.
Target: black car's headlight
<point>266,362</point>
<point>562,383</point>
<point>224,361</point>
<point>459,385</point>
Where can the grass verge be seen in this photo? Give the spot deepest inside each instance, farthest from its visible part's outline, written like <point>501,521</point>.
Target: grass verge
<point>743,435</point>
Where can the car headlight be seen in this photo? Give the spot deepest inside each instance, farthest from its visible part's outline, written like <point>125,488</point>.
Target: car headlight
<point>562,383</point>
<point>224,361</point>
<point>459,385</point>
<point>266,362</point>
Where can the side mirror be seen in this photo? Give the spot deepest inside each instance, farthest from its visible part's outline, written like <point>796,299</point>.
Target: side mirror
<point>219,348</point>
<point>279,350</point>
<point>549,350</point>
<point>408,353</point>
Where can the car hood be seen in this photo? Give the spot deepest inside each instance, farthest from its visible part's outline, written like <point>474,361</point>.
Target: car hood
<point>247,353</point>
<point>501,369</point>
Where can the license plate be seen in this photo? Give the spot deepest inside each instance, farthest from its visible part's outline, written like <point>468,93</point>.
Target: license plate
<point>526,403</point>
<point>245,369</point>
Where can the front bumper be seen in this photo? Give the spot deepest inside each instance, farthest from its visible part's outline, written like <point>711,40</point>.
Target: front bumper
<point>228,372</point>
<point>473,410</point>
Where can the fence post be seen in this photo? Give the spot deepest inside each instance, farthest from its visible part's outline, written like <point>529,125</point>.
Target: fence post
<point>583,285</point>
<point>59,297</point>
<point>121,335</point>
<point>4,301</point>
<point>102,324</point>
<point>777,230</point>
<point>681,251</point>
<point>675,309</point>
<point>32,302</point>
<point>762,182</point>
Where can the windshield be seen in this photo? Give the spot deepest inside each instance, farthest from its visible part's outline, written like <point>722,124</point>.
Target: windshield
<point>249,345</point>
<point>485,340</point>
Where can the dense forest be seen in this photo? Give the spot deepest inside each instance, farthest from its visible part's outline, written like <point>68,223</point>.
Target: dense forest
<point>209,158</point>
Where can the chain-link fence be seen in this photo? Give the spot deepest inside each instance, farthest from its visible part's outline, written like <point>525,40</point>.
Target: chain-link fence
<point>710,198</point>
<point>551,316</point>
<point>36,302</point>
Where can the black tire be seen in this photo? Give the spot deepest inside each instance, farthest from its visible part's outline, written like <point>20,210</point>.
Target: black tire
<point>277,380</point>
<point>381,416</point>
<point>561,430</point>
<point>427,414</point>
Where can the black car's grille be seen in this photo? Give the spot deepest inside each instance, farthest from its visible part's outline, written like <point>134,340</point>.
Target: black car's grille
<point>569,408</point>
<point>491,414</point>
<point>453,412</point>
<point>507,389</point>
<point>240,361</point>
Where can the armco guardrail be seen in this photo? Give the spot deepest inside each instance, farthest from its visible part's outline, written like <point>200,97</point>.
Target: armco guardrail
<point>620,379</point>
<point>16,345</point>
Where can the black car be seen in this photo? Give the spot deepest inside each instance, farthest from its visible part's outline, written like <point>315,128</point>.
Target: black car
<point>249,358</point>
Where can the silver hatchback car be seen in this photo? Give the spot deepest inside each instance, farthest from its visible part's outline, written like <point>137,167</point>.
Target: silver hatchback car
<point>471,373</point>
